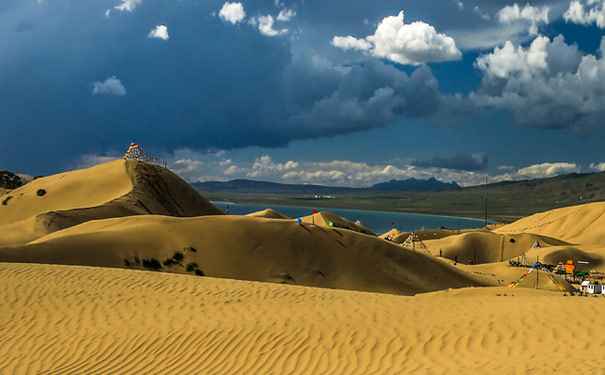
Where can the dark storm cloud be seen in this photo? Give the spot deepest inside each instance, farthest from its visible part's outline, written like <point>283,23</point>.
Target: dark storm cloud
<point>461,162</point>
<point>211,85</point>
<point>370,96</point>
<point>218,85</point>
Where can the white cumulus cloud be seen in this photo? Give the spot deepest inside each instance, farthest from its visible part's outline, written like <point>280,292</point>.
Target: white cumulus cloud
<point>594,12</point>
<point>548,170</point>
<point>111,86</point>
<point>128,5</point>
<point>531,14</point>
<point>598,167</point>
<point>206,167</point>
<point>232,12</point>
<point>160,31</point>
<point>349,42</point>
<point>548,84</point>
<point>265,26</point>
<point>415,43</point>
<point>286,15</point>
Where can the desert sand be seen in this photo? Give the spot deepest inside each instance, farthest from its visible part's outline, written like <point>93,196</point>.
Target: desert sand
<point>114,189</point>
<point>85,320</point>
<point>123,268</point>
<point>269,214</point>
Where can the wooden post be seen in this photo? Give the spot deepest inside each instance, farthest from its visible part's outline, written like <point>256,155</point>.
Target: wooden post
<point>537,271</point>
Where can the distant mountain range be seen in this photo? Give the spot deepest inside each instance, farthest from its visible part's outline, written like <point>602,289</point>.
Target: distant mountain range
<point>415,185</point>
<point>265,187</point>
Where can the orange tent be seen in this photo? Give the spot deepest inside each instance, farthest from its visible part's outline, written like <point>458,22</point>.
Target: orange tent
<point>570,268</point>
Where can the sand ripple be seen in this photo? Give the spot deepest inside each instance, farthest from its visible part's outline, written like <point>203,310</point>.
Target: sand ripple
<point>85,320</point>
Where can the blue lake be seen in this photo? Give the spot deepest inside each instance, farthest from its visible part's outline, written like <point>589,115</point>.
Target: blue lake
<point>377,221</point>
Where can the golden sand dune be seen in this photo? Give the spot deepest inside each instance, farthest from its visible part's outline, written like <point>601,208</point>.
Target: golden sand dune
<point>324,218</point>
<point>488,247</point>
<point>583,260</point>
<point>3,191</point>
<point>247,248</point>
<point>114,189</point>
<point>424,235</point>
<point>269,214</point>
<point>84,320</point>
<point>583,224</point>
<point>392,233</point>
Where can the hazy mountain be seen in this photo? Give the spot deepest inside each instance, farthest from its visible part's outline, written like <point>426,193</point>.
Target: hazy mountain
<point>252,186</point>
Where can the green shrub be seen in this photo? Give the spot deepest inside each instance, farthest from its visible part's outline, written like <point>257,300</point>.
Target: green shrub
<point>5,202</point>
<point>40,192</point>
<point>199,272</point>
<point>169,262</point>
<point>191,267</point>
<point>152,264</point>
<point>178,257</point>
<point>9,180</point>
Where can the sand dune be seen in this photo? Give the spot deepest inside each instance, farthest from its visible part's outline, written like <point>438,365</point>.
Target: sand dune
<point>392,233</point>
<point>488,247</point>
<point>84,320</point>
<point>248,248</point>
<point>115,189</point>
<point>61,319</point>
<point>323,218</point>
<point>269,214</point>
<point>582,224</point>
<point>502,274</point>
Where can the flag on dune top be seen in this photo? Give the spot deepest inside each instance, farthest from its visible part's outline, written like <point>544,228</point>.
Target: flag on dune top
<point>136,152</point>
<point>392,223</point>
<point>314,211</point>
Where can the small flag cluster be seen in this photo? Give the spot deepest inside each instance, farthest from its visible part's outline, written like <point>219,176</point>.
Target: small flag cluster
<point>135,152</point>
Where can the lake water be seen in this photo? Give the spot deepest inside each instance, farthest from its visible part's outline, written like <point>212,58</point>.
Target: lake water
<point>377,221</point>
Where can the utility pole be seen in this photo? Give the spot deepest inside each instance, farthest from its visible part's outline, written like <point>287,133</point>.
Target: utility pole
<point>486,202</point>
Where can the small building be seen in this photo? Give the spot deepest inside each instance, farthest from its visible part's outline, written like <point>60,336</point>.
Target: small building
<point>595,288</point>
<point>584,286</point>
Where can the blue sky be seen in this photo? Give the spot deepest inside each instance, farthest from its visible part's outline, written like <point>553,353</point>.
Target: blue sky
<point>331,92</point>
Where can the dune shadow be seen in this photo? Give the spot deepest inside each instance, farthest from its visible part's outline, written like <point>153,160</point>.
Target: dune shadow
<point>341,244</point>
<point>320,228</point>
<point>305,228</point>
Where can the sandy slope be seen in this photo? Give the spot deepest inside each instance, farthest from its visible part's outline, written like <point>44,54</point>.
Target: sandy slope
<point>248,248</point>
<point>114,189</point>
<point>269,214</point>
<point>488,247</point>
<point>582,224</point>
<point>323,218</point>
<point>83,320</point>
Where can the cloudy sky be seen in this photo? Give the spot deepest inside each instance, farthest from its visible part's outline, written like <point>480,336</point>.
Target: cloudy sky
<point>332,92</point>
